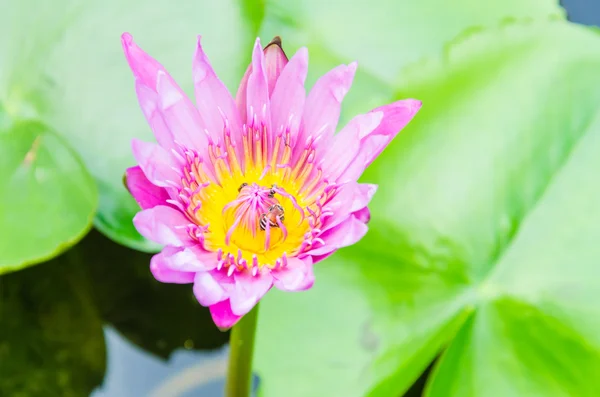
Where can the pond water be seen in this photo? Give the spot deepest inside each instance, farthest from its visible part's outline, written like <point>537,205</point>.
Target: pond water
<point>132,371</point>
<point>586,12</point>
<point>94,322</point>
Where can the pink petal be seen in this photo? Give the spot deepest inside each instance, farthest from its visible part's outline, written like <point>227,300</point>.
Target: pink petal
<point>180,114</point>
<point>363,215</point>
<point>158,165</point>
<point>222,315</point>
<point>346,144</point>
<point>395,117</point>
<point>296,276</point>
<point>340,205</point>
<point>143,191</point>
<point>164,104</point>
<point>359,206</point>
<point>349,198</point>
<point>365,193</point>
<point>355,168</point>
<point>214,102</point>
<point>211,288</point>
<point>323,105</point>
<point>163,273</point>
<point>275,61</point>
<point>319,258</point>
<point>361,200</point>
<point>258,108</point>
<point>248,290</point>
<point>192,259</point>
<point>240,96</point>
<point>289,95</point>
<point>150,105</point>
<point>164,225</point>
<point>346,233</point>
<point>143,66</point>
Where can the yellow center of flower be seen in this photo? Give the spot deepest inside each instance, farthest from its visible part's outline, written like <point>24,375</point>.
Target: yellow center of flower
<point>257,217</point>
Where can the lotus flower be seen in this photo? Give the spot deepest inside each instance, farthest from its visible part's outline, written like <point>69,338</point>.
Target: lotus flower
<point>249,193</point>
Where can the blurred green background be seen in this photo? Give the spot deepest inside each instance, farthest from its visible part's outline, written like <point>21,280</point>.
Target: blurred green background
<point>480,275</point>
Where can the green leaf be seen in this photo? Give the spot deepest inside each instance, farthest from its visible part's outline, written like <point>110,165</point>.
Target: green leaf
<point>47,198</point>
<point>384,36</point>
<point>490,229</point>
<point>51,339</point>
<point>540,318</point>
<point>355,325</point>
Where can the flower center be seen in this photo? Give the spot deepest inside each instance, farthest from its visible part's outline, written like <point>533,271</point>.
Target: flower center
<point>259,211</point>
<point>250,220</point>
<point>257,216</point>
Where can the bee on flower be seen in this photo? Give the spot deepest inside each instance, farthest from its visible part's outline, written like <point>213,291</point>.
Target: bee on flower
<point>249,193</point>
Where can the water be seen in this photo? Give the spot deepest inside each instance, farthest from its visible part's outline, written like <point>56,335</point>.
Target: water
<point>96,323</point>
<point>586,12</point>
<point>133,372</point>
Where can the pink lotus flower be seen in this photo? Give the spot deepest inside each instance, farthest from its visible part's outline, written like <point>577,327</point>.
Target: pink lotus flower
<point>249,193</point>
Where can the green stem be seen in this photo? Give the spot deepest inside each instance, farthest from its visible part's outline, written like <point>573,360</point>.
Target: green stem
<point>241,345</point>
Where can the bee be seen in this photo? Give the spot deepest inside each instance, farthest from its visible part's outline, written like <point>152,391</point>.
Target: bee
<point>274,211</point>
<point>243,185</point>
<point>272,191</point>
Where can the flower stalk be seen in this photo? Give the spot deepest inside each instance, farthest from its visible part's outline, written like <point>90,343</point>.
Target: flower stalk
<point>241,345</point>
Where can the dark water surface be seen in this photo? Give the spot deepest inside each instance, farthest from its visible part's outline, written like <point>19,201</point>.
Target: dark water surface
<point>107,329</point>
<point>95,321</point>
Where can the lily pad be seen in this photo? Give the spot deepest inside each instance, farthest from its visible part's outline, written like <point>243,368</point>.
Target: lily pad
<point>486,241</point>
<point>47,197</point>
<point>384,36</point>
